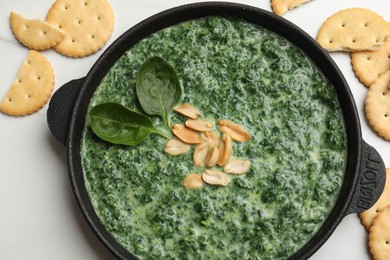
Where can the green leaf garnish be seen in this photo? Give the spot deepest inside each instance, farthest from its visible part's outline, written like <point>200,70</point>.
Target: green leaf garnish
<point>158,88</point>
<point>117,124</point>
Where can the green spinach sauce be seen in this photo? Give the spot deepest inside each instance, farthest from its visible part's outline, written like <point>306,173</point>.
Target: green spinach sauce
<point>228,69</point>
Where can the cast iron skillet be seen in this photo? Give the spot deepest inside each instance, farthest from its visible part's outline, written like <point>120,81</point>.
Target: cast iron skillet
<point>365,171</point>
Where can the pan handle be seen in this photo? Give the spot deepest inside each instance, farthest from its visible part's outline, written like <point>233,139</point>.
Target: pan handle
<point>371,182</point>
<point>61,107</point>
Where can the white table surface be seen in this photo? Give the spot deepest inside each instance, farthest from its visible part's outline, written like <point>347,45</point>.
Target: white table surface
<point>39,218</point>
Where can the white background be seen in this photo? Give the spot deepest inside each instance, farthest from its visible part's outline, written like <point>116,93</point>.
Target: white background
<point>39,218</point>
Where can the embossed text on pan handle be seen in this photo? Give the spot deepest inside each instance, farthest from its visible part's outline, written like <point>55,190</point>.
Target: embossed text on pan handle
<point>371,182</point>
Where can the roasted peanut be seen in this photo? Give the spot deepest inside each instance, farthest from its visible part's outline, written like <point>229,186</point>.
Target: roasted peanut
<point>187,110</point>
<point>199,125</point>
<point>237,166</point>
<point>214,177</point>
<point>176,147</point>
<point>225,149</point>
<point>200,154</point>
<point>192,181</point>
<point>185,134</point>
<point>236,131</point>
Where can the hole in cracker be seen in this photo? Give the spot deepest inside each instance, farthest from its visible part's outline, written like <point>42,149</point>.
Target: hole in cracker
<point>387,242</point>
<point>353,40</point>
<point>369,58</point>
<point>73,40</point>
<point>20,81</point>
<point>29,96</point>
<point>343,25</point>
<point>39,77</point>
<point>85,3</point>
<point>386,115</point>
<point>79,21</point>
<point>365,24</point>
<point>66,7</point>
<point>10,100</point>
<point>99,18</point>
<point>330,41</point>
<point>60,26</point>
<point>377,211</point>
<point>93,36</point>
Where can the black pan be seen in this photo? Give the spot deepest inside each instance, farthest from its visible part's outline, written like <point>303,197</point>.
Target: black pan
<point>365,171</point>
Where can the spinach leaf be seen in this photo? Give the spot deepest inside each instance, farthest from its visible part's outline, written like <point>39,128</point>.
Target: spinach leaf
<point>117,124</point>
<point>158,88</point>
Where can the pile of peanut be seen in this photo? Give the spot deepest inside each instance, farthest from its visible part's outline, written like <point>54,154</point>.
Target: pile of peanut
<point>210,149</point>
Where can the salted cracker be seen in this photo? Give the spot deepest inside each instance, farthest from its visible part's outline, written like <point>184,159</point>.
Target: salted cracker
<point>88,25</point>
<point>368,216</point>
<point>378,105</point>
<point>353,29</point>
<point>35,34</point>
<point>368,65</point>
<point>379,237</point>
<point>280,7</point>
<point>32,87</point>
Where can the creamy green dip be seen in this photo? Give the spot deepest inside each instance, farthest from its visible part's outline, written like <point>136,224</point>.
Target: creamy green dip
<point>234,70</point>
